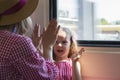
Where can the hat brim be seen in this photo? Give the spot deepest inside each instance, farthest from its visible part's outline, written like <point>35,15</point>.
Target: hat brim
<point>23,13</point>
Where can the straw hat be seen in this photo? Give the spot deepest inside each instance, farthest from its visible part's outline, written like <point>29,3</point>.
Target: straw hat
<point>13,11</point>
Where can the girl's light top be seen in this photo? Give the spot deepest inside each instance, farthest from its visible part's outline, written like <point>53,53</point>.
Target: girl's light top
<point>65,69</point>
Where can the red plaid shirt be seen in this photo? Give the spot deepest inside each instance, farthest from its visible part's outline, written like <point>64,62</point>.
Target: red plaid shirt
<point>19,60</point>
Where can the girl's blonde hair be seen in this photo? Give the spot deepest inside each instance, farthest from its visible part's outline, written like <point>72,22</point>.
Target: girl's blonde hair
<point>73,42</point>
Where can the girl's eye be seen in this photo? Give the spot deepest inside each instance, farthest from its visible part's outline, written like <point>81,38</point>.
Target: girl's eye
<point>64,42</point>
<point>57,42</point>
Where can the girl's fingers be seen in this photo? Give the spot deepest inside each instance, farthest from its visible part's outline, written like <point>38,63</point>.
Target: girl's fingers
<point>77,56</point>
<point>81,51</point>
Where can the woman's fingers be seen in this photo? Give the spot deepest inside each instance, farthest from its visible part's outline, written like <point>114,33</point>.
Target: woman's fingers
<point>50,35</point>
<point>36,35</point>
<point>57,29</point>
<point>52,26</point>
<point>36,30</point>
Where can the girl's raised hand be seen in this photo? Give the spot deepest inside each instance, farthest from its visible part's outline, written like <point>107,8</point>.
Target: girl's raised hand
<point>76,56</point>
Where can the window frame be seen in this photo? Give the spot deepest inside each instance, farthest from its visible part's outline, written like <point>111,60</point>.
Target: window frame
<point>86,43</point>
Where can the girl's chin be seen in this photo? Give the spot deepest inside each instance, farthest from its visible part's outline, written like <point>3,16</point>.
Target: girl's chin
<point>60,53</point>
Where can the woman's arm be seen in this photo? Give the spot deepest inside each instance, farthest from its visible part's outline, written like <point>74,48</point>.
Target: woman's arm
<point>26,60</point>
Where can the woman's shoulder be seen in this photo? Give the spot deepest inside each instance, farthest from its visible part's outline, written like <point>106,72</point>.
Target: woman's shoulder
<point>19,38</point>
<point>13,38</point>
<point>12,35</point>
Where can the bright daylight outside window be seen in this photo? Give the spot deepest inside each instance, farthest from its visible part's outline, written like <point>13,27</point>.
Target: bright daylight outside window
<point>91,19</point>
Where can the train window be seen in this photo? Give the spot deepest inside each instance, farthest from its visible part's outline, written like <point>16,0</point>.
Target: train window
<point>96,21</point>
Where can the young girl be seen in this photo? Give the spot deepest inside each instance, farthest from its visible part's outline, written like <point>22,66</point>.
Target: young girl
<point>64,55</point>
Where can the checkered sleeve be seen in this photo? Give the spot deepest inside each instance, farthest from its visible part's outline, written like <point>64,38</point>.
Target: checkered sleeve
<point>31,66</point>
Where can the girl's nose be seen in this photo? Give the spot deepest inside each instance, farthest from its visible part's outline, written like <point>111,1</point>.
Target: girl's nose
<point>60,44</point>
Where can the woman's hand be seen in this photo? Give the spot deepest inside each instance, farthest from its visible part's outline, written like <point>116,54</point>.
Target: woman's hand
<point>48,39</point>
<point>37,37</point>
<point>50,35</point>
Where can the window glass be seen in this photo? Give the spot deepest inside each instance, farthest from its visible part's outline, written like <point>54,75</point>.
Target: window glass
<point>91,19</point>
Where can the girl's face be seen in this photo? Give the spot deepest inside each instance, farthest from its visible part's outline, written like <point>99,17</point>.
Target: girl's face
<point>61,47</point>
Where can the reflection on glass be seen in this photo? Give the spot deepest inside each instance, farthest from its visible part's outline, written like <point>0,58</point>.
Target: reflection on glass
<point>91,19</point>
